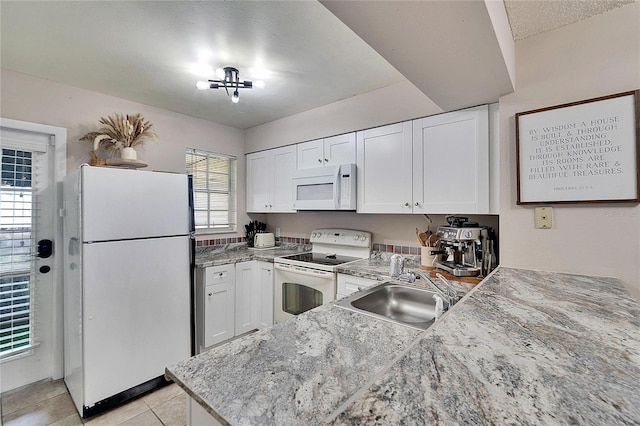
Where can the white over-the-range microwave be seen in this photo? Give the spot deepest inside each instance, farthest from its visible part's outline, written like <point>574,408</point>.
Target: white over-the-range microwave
<point>325,188</point>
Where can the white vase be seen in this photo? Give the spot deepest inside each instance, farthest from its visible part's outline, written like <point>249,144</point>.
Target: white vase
<point>128,154</point>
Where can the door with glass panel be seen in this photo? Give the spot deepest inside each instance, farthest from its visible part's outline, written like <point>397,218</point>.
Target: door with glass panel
<point>27,258</point>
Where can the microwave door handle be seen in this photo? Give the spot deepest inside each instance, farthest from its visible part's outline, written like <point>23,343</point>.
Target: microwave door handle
<point>336,188</point>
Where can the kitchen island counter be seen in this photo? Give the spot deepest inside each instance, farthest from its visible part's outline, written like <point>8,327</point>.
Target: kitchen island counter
<point>523,347</point>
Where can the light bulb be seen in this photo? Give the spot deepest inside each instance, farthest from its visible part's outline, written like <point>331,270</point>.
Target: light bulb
<point>236,97</point>
<point>220,73</point>
<point>259,84</point>
<point>203,85</point>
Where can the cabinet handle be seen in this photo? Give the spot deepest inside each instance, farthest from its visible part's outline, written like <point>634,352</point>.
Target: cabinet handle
<point>319,160</point>
<point>210,294</point>
<point>270,206</point>
<point>407,204</point>
<point>326,160</point>
<point>265,206</point>
<point>417,204</point>
<point>221,273</point>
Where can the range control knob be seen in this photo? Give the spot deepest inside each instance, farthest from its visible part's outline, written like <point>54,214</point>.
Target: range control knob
<point>363,237</point>
<point>313,234</point>
<point>355,237</point>
<point>468,234</point>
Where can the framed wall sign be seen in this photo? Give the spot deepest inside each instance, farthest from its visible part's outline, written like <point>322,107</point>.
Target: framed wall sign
<point>581,152</point>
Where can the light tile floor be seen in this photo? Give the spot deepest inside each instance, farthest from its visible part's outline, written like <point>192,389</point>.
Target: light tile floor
<point>49,403</point>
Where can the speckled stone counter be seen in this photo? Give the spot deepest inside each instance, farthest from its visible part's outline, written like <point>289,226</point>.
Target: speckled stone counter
<point>523,347</point>
<point>378,269</point>
<point>235,253</point>
<point>296,372</point>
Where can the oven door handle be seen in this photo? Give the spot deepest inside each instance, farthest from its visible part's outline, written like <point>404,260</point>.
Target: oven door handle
<point>295,270</point>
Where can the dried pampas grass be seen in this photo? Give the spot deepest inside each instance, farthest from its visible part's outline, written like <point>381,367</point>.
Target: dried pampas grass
<point>121,131</point>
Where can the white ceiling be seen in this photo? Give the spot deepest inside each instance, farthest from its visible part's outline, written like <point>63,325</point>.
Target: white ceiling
<point>144,51</point>
<point>528,18</point>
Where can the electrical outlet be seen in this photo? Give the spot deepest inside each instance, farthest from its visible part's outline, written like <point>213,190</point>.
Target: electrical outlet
<point>543,217</point>
<point>277,235</point>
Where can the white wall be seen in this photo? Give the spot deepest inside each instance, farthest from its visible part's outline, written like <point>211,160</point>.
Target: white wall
<point>592,58</point>
<point>396,229</point>
<point>391,104</point>
<point>42,101</point>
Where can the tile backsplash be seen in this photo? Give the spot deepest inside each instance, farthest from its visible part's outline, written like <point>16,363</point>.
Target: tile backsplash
<point>391,248</point>
<point>377,247</point>
<point>231,240</point>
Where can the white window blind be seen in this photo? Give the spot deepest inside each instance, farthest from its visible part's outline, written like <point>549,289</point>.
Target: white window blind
<point>214,190</point>
<point>17,247</point>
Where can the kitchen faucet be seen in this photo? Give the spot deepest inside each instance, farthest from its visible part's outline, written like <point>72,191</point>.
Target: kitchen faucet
<point>452,295</point>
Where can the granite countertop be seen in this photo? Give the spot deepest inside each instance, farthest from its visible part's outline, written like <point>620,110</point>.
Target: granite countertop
<point>524,347</point>
<point>295,372</point>
<point>378,269</point>
<point>239,252</point>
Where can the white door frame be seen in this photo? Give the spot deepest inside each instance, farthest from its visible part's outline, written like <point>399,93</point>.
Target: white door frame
<point>59,135</point>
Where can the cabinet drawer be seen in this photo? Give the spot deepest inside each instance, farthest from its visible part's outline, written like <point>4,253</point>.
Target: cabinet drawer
<point>218,274</point>
<point>348,284</point>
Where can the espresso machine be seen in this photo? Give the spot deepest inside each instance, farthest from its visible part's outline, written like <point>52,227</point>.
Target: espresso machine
<point>465,248</point>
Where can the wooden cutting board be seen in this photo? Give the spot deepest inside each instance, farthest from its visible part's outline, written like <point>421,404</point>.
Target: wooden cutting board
<point>433,271</point>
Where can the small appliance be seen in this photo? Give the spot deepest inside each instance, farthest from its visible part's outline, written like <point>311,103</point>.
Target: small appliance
<point>465,248</point>
<point>264,240</point>
<point>325,188</point>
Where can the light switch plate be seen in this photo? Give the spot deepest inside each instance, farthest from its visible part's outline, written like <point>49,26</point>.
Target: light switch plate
<point>543,217</point>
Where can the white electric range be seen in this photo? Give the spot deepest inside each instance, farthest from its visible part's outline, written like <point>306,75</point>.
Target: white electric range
<point>307,280</point>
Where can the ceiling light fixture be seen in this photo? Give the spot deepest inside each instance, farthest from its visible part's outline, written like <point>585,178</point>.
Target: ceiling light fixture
<point>230,80</point>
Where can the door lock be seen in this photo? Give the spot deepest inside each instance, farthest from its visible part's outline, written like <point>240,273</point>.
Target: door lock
<point>45,249</point>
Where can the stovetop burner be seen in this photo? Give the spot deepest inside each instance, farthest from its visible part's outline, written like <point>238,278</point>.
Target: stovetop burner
<point>321,258</point>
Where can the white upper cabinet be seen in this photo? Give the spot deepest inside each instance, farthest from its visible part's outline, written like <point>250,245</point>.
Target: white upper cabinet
<point>384,179</point>
<point>259,181</point>
<point>437,164</point>
<point>331,151</point>
<point>451,162</point>
<point>310,154</point>
<point>269,185</point>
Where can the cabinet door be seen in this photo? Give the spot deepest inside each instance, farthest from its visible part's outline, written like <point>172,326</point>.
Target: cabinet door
<point>384,169</point>
<point>264,292</point>
<point>451,162</point>
<point>219,305</point>
<point>348,284</point>
<point>259,181</point>
<point>244,293</point>
<point>310,154</point>
<point>284,165</point>
<point>340,149</point>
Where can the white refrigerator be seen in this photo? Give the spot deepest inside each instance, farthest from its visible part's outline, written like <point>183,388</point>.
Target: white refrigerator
<point>127,286</point>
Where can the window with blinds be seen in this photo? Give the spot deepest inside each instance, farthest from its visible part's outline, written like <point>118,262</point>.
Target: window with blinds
<point>214,190</point>
<point>16,250</point>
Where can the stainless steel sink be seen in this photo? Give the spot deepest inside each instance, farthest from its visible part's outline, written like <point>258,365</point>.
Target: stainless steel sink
<point>410,306</point>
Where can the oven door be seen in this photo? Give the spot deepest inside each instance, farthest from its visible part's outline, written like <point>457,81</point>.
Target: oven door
<point>298,289</point>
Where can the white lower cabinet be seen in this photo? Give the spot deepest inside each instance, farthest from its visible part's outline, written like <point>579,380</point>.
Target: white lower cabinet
<point>245,289</point>
<point>232,300</point>
<point>215,305</point>
<point>348,284</point>
<point>198,416</point>
<point>254,296</point>
<point>263,295</point>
